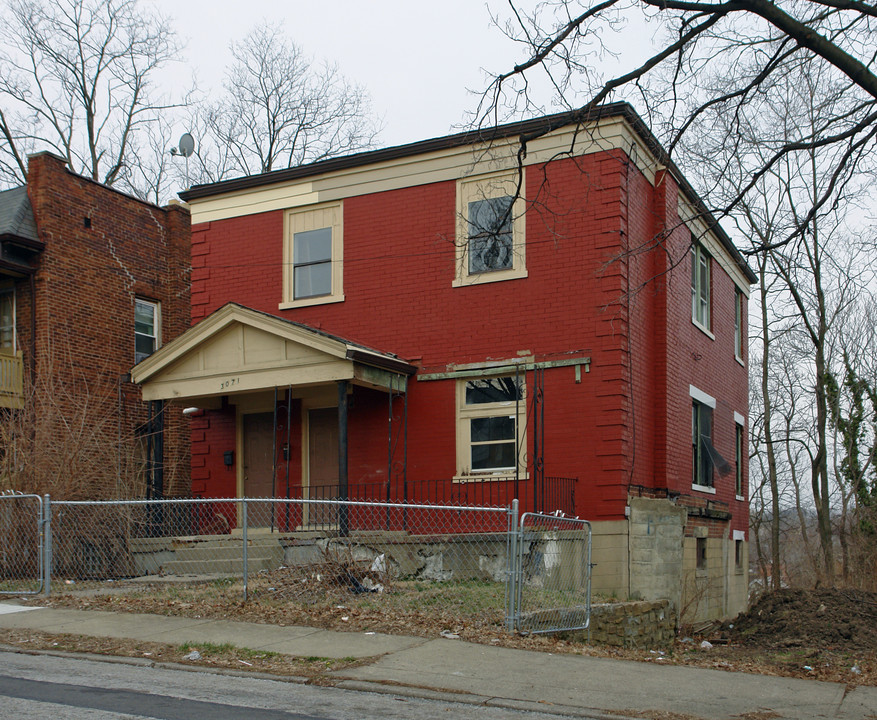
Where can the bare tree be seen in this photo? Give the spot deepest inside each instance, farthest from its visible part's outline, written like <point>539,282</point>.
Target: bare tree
<point>280,109</point>
<point>75,78</point>
<point>808,281</point>
<point>751,42</point>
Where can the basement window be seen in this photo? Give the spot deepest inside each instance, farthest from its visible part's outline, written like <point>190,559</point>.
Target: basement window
<point>701,553</point>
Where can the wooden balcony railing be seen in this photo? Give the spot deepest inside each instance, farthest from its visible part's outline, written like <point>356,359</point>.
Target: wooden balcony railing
<point>11,380</point>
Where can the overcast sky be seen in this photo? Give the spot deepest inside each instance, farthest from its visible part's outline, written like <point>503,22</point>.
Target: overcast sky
<point>416,59</point>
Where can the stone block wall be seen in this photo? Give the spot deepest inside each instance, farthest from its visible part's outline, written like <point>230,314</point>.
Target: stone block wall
<point>633,624</point>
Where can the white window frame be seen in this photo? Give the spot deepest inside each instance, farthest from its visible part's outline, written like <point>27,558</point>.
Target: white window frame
<point>486,187</point>
<point>701,296</point>
<point>698,397</point>
<point>313,217</point>
<point>738,325</point>
<point>466,413</point>
<point>156,326</point>
<point>740,448</point>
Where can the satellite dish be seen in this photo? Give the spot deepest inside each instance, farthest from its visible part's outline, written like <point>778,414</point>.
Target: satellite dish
<point>187,145</point>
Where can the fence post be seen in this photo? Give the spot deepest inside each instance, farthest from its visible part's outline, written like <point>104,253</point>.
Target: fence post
<point>46,522</point>
<point>511,584</point>
<point>244,521</point>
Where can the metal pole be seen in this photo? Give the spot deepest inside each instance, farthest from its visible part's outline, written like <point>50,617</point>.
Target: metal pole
<point>274,458</point>
<point>389,448</point>
<point>343,510</point>
<point>47,546</point>
<point>244,553</point>
<point>288,450</point>
<point>511,592</point>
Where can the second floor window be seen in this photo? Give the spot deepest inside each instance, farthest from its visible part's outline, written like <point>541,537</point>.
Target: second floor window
<point>491,244</point>
<point>146,329</point>
<point>738,324</point>
<point>312,256</point>
<point>700,285</point>
<point>312,263</point>
<point>490,229</point>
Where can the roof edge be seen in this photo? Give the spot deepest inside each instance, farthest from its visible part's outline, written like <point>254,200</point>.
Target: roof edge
<point>525,129</point>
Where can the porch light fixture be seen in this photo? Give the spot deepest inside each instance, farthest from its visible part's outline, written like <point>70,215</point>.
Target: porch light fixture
<point>228,458</point>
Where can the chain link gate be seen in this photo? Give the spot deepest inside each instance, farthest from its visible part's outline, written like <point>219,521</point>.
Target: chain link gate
<point>550,583</point>
<point>21,544</point>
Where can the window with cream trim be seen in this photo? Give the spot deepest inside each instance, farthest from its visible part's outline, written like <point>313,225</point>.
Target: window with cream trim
<point>491,426</point>
<point>701,277</point>
<point>312,256</point>
<point>490,230</point>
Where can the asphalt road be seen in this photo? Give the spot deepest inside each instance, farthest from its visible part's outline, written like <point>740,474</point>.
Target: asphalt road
<point>61,688</point>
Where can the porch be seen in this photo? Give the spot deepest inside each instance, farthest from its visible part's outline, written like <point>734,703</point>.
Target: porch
<point>11,380</point>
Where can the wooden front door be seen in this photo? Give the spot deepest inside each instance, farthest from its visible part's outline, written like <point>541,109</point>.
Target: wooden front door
<point>258,447</point>
<point>323,462</point>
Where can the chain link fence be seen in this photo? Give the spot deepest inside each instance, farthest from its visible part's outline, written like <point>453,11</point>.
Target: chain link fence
<point>21,551</point>
<point>534,575</point>
<point>552,578</point>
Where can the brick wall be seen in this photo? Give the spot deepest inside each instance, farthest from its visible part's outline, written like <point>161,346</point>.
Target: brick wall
<point>589,291</point>
<point>103,250</point>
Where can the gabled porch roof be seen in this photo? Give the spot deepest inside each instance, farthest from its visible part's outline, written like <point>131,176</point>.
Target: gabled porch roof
<point>237,349</point>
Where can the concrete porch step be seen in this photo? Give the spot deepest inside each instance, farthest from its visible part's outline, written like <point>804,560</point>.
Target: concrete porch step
<point>198,553</point>
<point>231,567</point>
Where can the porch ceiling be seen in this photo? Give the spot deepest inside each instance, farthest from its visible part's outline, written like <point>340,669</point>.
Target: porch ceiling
<point>238,350</point>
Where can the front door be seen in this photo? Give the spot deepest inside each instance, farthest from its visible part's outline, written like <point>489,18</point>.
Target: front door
<point>323,462</point>
<point>258,464</point>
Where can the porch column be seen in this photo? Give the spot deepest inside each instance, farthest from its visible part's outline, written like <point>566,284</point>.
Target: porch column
<point>343,526</point>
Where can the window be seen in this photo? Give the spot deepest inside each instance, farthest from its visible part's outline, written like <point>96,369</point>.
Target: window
<point>490,426</point>
<point>705,458</point>
<point>738,324</point>
<point>701,434</point>
<point>738,555</point>
<point>739,445</point>
<point>312,255</point>
<point>146,329</point>
<point>700,286</point>
<point>490,230</point>
<point>7,320</point>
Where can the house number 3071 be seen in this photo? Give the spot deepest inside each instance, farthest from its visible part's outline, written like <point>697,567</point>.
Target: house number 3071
<point>231,382</point>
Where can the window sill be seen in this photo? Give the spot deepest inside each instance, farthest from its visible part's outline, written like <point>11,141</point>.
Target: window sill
<point>489,277</point>
<point>489,477</point>
<point>705,330</point>
<point>738,571</point>
<point>308,302</point>
<point>701,572</point>
<point>703,489</point>
<point>740,498</point>
<point>740,360</point>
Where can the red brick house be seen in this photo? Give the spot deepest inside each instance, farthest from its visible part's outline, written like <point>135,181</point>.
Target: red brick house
<point>434,322</point>
<point>91,280</point>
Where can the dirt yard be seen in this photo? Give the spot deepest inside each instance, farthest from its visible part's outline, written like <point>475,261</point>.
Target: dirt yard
<point>818,634</point>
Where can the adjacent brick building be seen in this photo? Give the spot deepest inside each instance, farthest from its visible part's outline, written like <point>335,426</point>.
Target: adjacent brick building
<point>92,280</point>
<point>435,322</point>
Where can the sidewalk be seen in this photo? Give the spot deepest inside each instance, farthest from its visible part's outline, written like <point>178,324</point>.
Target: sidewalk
<point>460,671</point>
